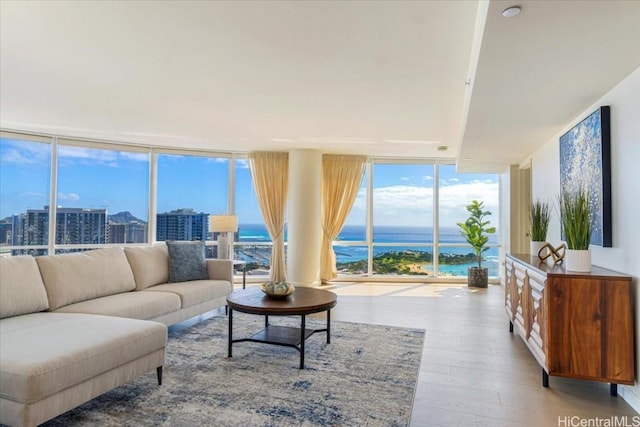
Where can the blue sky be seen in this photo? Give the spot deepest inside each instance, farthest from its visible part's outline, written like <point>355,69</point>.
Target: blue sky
<point>119,181</point>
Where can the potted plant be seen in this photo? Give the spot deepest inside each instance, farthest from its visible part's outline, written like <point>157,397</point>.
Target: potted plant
<point>539,224</point>
<point>576,220</point>
<point>475,230</point>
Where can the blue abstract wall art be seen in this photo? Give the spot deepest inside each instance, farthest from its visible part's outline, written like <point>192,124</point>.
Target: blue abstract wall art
<point>585,164</point>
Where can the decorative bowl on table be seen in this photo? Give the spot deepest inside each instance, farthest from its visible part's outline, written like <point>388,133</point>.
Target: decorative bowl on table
<point>278,289</point>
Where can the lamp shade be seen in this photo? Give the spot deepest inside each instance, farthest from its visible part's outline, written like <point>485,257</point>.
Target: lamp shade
<point>223,223</point>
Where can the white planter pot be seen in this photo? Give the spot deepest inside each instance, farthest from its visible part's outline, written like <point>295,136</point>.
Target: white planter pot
<point>534,247</point>
<point>578,260</point>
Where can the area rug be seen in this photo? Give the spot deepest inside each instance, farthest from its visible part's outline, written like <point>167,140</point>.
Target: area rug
<point>366,377</point>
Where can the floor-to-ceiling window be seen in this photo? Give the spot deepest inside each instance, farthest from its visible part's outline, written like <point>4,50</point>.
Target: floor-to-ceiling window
<point>102,196</point>
<point>25,172</point>
<point>190,188</point>
<point>411,215</point>
<point>403,222</point>
<point>455,192</point>
<point>402,218</point>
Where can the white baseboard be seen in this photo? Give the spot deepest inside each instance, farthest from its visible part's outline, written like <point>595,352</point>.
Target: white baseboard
<point>629,396</point>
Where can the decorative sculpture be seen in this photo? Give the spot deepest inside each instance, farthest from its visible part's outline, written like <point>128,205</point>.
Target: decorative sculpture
<point>553,252</point>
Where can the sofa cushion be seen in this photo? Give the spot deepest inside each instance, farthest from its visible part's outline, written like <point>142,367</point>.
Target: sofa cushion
<point>83,276</point>
<point>186,261</point>
<point>150,264</point>
<point>21,287</point>
<point>135,305</point>
<point>45,353</point>
<point>194,292</point>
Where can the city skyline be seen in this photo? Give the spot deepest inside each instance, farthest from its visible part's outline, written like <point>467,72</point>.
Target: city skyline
<point>119,181</point>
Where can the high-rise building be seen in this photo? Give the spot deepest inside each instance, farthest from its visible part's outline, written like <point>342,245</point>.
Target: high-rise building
<point>117,233</point>
<point>73,226</point>
<point>136,233</point>
<point>131,232</point>
<point>182,224</point>
<point>30,228</point>
<point>5,232</point>
<point>81,226</point>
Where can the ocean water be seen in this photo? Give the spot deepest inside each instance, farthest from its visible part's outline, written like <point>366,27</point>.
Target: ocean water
<point>408,237</point>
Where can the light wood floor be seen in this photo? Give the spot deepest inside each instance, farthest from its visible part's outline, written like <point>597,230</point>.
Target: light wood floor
<point>473,372</point>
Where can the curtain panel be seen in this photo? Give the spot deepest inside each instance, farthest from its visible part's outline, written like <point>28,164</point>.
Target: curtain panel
<point>270,176</point>
<point>341,177</point>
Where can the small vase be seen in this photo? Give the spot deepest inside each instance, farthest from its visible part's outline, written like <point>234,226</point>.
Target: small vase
<point>534,247</point>
<point>578,260</point>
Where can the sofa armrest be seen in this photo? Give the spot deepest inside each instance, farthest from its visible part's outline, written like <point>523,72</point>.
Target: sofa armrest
<point>220,269</point>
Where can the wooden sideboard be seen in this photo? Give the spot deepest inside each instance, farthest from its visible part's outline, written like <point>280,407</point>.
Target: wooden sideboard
<point>577,325</point>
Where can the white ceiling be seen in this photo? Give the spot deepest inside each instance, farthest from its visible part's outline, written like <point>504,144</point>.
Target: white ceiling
<point>376,78</point>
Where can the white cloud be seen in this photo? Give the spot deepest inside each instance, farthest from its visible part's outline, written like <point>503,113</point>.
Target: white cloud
<point>68,197</point>
<point>170,157</point>
<point>86,156</point>
<point>450,181</point>
<point>404,178</point>
<point>455,198</point>
<point>138,157</point>
<point>22,152</point>
<point>92,156</point>
<point>86,153</point>
<point>242,164</point>
<point>404,205</point>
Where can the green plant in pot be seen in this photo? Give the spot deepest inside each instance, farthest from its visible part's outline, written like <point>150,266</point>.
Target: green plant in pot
<point>539,224</point>
<point>475,230</point>
<point>577,223</point>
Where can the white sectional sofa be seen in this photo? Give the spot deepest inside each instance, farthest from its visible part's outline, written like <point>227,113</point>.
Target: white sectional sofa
<point>75,326</point>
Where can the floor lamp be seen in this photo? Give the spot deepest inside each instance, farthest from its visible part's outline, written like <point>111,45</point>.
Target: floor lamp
<point>223,225</point>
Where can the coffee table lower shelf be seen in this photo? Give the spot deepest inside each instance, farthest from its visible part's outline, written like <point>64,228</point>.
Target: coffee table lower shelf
<point>281,335</point>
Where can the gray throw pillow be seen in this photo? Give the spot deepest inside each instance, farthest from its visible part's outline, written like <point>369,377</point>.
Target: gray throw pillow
<point>186,261</point>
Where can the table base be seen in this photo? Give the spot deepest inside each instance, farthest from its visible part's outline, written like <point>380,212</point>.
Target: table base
<point>286,336</point>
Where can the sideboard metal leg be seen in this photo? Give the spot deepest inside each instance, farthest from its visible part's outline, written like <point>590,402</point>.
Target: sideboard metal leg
<point>613,389</point>
<point>159,372</point>
<point>510,327</point>
<point>545,378</point>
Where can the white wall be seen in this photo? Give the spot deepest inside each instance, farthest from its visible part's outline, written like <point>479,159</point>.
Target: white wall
<point>624,256</point>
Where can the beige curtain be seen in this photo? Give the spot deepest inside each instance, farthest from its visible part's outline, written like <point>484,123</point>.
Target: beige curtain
<point>341,177</point>
<point>270,175</point>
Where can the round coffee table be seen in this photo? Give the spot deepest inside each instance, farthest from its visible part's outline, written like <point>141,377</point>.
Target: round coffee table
<point>302,302</point>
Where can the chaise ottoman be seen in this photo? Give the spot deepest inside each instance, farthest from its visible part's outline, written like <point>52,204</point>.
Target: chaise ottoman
<point>53,362</point>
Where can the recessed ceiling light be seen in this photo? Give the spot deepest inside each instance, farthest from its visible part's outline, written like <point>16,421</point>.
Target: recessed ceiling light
<point>511,11</point>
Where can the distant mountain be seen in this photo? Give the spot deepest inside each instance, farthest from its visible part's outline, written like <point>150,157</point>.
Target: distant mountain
<point>124,218</point>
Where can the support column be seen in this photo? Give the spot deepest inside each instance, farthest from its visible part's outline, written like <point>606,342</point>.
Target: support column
<point>303,217</point>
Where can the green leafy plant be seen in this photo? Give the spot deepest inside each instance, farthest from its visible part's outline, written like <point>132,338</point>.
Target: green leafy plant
<point>539,221</point>
<point>475,229</point>
<point>575,216</point>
